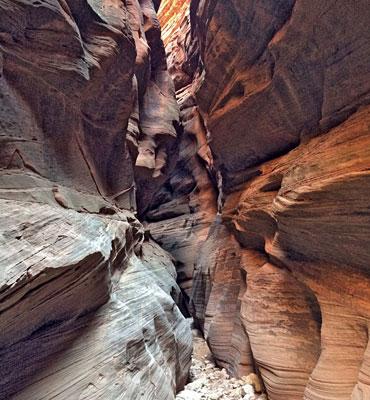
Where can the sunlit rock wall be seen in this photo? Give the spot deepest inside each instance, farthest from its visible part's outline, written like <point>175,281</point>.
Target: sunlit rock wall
<point>282,88</point>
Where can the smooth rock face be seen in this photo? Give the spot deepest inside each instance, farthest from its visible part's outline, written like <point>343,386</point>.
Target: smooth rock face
<point>87,125</point>
<point>315,224</point>
<point>282,89</point>
<point>284,313</point>
<point>65,95</point>
<point>275,72</point>
<point>256,180</point>
<point>74,78</point>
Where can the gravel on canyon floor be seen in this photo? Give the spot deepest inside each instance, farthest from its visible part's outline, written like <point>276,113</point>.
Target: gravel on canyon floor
<point>208,382</point>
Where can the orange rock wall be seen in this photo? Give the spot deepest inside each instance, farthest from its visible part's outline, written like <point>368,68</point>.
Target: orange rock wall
<point>282,89</point>
<point>171,14</point>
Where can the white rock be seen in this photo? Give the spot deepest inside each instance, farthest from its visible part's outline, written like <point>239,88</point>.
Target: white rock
<point>79,262</point>
<point>196,385</point>
<point>189,395</point>
<point>247,390</point>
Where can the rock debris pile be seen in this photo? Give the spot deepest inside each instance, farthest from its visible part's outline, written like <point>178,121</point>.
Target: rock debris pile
<point>208,382</point>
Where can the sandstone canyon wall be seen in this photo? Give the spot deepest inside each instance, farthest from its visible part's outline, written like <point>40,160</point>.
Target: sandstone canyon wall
<point>88,122</point>
<point>239,168</point>
<point>279,93</point>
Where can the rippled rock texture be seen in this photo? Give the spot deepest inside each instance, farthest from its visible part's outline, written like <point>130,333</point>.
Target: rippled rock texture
<point>88,122</point>
<point>314,229</point>
<point>218,287</point>
<point>77,80</point>
<point>282,89</point>
<point>273,73</point>
<point>87,309</point>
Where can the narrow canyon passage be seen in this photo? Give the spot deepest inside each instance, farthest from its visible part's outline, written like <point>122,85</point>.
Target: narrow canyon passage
<point>163,161</point>
<point>208,382</point>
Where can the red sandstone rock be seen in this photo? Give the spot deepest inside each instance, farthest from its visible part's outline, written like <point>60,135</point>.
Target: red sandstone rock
<point>272,73</point>
<point>313,223</point>
<point>272,78</point>
<point>217,290</point>
<point>67,96</point>
<point>273,99</point>
<point>171,14</point>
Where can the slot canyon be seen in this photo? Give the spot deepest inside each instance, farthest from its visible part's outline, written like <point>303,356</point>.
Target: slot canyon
<point>177,170</point>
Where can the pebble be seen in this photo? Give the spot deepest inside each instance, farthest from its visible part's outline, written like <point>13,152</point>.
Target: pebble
<point>189,394</point>
<point>208,382</point>
<point>247,390</point>
<point>196,385</point>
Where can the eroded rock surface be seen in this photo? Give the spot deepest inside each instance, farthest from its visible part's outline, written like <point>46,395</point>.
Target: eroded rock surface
<point>282,89</point>
<point>275,72</point>
<point>88,120</point>
<point>218,287</point>
<point>172,14</point>
<point>308,212</point>
<point>57,341</point>
<point>75,78</point>
<point>182,211</point>
<point>255,177</point>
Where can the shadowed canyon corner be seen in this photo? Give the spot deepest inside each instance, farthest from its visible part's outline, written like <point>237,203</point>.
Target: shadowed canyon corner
<point>184,199</point>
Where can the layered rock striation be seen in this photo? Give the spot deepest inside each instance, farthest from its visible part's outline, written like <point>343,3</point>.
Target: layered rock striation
<point>88,128</point>
<point>87,308</point>
<point>255,177</point>
<point>282,89</point>
<point>87,101</point>
<point>182,211</point>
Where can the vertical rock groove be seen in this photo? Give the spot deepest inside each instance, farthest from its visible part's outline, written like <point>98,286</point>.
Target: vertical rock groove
<point>282,91</point>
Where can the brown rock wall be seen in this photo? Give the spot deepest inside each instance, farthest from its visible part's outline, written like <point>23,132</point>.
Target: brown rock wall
<point>57,74</point>
<point>71,78</point>
<point>274,72</point>
<point>87,309</point>
<point>282,92</point>
<point>315,230</point>
<point>183,209</point>
<point>217,289</point>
